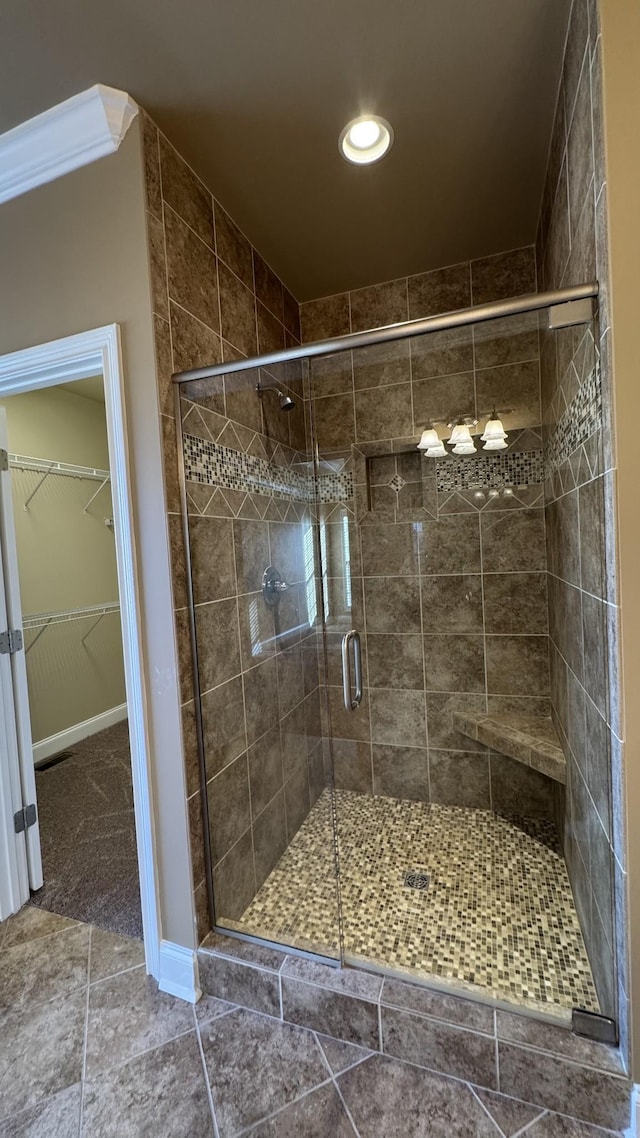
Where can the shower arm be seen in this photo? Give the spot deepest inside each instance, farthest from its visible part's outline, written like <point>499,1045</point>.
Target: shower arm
<point>532,302</point>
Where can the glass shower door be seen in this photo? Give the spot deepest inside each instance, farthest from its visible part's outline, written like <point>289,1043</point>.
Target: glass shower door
<point>266,800</point>
<point>465,803</point>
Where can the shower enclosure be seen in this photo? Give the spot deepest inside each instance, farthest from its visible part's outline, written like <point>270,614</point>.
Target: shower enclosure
<point>401,656</point>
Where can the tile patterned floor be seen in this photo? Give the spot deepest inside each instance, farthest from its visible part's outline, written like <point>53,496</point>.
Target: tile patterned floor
<point>87,830</point>
<point>118,1059</point>
<point>498,914</point>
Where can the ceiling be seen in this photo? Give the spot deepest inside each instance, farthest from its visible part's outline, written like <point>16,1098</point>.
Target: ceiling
<point>90,388</point>
<point>254,94</point>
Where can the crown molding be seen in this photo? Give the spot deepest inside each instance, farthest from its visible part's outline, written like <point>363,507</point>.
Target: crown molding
<point>83,128</point>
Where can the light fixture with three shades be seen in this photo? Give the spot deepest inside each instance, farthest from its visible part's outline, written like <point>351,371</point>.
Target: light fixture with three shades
<point>461,441</point>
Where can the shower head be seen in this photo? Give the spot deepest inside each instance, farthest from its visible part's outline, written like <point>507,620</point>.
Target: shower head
<point>286,402</point>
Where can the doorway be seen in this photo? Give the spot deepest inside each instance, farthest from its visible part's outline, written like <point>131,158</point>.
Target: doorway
<point>62,527</point>
<point>93,361</point>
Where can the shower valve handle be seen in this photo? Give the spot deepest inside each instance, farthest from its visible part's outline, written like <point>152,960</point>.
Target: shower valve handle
<point>272,586</point>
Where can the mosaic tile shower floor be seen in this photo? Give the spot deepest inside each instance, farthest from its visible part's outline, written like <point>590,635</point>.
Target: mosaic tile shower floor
<point>498,915</point>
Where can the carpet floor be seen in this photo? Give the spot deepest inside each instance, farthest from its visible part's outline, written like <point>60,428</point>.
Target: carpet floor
<point>87,831</point>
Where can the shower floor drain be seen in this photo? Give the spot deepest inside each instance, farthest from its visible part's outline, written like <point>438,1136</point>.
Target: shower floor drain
<point>413,880</point>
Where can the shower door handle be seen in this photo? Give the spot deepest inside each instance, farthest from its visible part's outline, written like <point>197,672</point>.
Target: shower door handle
<point>352,637</point>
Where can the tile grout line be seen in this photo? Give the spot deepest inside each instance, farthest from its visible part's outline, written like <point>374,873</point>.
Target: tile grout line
<point>206,1074</point>
<point>83,1073</point>
<point>247,1130</point>
<point>528,1125</point>
<point>121,972</point>
<point>138,1054</point>
<point>47,936</point>
<point>348,1113</point>
<point>334,1080</point>
<point>486,1110</point>
<point>497,1047</point>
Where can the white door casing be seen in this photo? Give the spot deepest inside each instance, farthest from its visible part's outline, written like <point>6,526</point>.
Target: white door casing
<point>46,365</point>
<point>14,681</point>
<point>14,874</point>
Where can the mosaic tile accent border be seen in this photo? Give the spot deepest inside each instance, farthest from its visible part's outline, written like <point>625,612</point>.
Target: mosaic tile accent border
<point>335,487</point>
<point>212,464</point>
<point>498,915</point>
<point>510,468</point>
<point>581,419</point>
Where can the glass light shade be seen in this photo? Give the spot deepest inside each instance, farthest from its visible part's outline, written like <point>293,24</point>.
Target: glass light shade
<point>493,430</point>
<point>495,444</point>
<point>429,438</point>
<point>464,447</point>
<point>436,452</point>
<point>365,139</point>
<point>460,434</point>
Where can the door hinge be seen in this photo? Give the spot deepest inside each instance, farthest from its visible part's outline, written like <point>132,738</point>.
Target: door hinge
<point>4,460</point>
<point>24,818</point>
<point>10,641</point>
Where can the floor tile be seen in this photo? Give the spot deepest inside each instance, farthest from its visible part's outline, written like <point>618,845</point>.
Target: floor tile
<point>440,1046</point>
<point>557,1126</point>
<point>54,1032</point>
<point>209,1008</point>
<point>347,980</point>
<point>162,1094</point>
<point>340,1055</point>
<point>29,924</point>
<point>239,983</point>
<point>257,1065</point>
<point>595,1096</point>
<point>393,1099</point>
<point>510,1114</point>
<point>320,1114</point>
<point>111,953</point>
<point>56,1117</point>
<point>464,852</point>
<point>127,1015</point>
<point>45,968</point>
<point>331,1013</point>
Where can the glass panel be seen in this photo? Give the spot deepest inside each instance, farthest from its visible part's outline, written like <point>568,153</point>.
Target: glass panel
<point>482,621</point>
<point>251,509</point>
<point>582,625</point>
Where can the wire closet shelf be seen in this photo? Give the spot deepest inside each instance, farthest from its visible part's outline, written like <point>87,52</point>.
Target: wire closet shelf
<point>44,620</point>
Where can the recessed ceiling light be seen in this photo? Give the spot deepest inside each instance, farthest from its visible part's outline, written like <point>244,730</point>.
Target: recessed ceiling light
<point>365,139</point>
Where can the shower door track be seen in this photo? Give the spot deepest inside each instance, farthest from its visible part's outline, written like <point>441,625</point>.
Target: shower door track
<point>532,302</point>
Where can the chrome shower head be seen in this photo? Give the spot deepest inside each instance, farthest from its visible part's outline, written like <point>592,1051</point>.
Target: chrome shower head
<point>286,402</point>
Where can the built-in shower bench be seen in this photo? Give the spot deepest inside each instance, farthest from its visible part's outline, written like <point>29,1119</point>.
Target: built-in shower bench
<point>529,740</point>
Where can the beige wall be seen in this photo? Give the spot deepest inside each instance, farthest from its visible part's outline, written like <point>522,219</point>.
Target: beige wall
<point>66,559</point>
<point>620,21</point>
<point>74,257</point>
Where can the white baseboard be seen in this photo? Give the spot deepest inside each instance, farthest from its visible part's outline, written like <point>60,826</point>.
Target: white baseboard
<point>179,972</point>
<point>65,739</point>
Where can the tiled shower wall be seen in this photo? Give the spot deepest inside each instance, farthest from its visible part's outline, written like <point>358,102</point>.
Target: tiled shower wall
<point>447,573</point>
<point>215,298</point>
<point>572,248</point>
